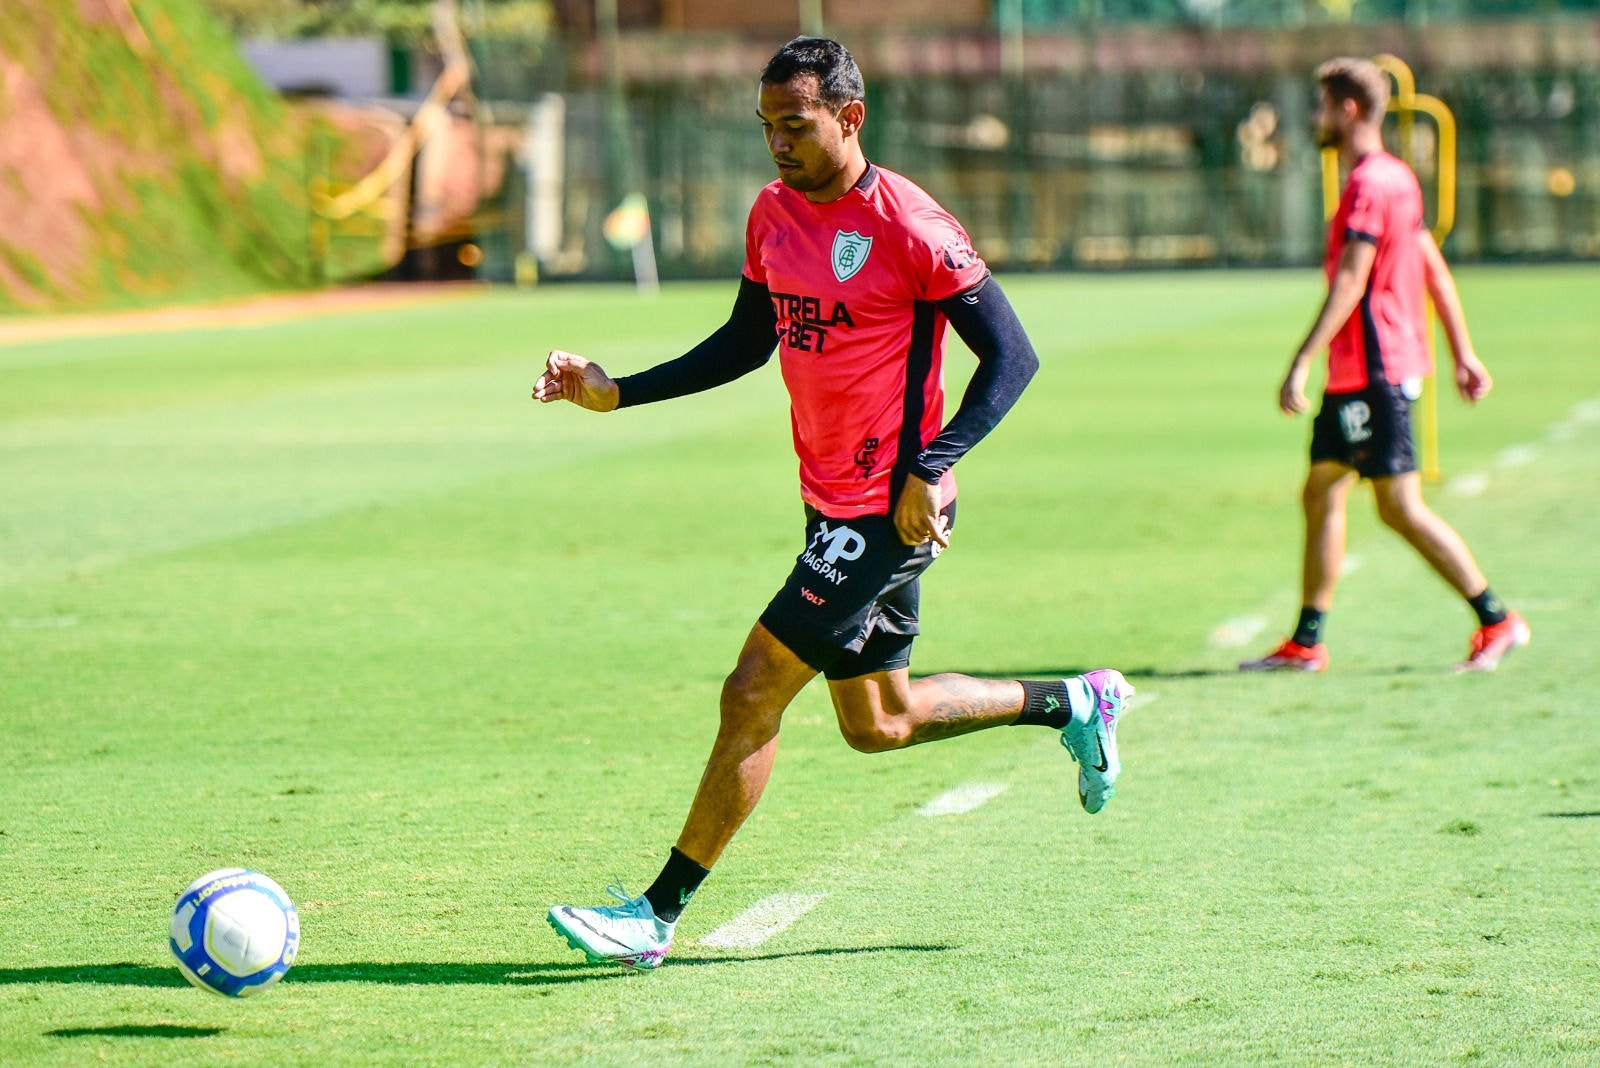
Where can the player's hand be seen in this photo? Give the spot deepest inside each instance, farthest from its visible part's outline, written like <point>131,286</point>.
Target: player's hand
<point>569,376</point>
<point>916,514</point>
<point>1472,378</point>
<point>1292,394</point>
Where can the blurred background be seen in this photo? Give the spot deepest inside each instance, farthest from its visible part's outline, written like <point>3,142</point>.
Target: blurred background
<point>154,150</point>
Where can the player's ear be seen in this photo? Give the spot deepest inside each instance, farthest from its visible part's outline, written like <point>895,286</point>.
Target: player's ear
<point>851,117</point>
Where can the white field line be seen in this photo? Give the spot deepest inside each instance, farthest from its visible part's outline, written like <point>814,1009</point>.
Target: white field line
<point>1586,411</point>
<point>1141,698</point>
<point>1517,456</point>
<point>766,918</point>
<point>962,799</point>
<point>1584,414</point>
<point>42,622</point>
<point>1240,631</point>
<point>1237,632</point>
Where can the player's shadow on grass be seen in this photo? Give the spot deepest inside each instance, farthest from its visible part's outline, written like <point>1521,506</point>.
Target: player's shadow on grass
<point>751,958</point>
<point>398,973</point>
<point>1057,671</point>
<point>1137,674</point>
<point>411,973</point>
<point>136,1031</point>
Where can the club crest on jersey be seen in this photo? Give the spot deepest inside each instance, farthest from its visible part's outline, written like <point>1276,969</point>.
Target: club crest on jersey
<point>850,251</point>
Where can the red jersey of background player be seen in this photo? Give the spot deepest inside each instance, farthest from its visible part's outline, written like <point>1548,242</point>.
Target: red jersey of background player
<point>1386,336</point>
<point>853,284</point>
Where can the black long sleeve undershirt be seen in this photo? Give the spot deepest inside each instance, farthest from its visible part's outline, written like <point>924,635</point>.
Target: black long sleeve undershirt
<point>739,346</point>
<point>984,319</point>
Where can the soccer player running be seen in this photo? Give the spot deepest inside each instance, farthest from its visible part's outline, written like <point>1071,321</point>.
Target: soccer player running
<point>852,272</point>
<point>1380,259</point>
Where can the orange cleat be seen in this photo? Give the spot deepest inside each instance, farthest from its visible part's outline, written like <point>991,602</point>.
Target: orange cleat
<point>1291,656</point>
<point>1490,644</point>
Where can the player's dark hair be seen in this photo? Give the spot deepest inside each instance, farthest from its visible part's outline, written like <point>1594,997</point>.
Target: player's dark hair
<point>838,77</point>
<point>1361,80</point>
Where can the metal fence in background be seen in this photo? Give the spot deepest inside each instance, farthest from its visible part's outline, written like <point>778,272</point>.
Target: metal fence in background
<point>1135,166</point>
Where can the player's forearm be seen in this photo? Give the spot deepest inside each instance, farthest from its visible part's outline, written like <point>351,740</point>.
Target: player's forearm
<point>742,344</point>
<point>1454,322</point>
<point>1345,290</point>
<point>1344,296</point>
<point>986,322</point>
<point>1446,301</point>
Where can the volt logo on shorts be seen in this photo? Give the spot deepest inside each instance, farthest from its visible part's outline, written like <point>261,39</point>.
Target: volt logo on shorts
<point>1353,418</point>
<point>828,546</point>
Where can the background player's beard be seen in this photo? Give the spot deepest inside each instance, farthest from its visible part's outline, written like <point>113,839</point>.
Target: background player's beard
<point>1328,137</point>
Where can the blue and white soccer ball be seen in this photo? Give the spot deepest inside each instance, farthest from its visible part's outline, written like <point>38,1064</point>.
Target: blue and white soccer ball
<point>234,932</point>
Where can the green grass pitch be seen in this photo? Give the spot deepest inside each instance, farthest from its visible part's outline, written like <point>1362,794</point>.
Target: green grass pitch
<point>335,600</point>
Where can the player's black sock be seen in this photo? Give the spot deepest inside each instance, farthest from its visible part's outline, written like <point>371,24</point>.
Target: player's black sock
<point>1044,704</point>
<point>676,884</point>
<point>1487,605</point>
<point>1308,631</point>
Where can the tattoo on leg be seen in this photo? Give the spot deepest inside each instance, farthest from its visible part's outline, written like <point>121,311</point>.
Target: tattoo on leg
<point>960,704</point>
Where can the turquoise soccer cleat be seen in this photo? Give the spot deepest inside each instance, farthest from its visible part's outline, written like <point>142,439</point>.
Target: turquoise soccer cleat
<point>627,934</point>
<point>1097,700</point>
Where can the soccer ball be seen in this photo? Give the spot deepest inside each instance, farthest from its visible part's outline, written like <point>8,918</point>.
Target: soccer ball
<point>234,932</point>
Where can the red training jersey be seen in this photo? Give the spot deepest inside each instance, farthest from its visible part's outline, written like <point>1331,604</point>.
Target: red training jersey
<point>854,284</point>
<point>1386,336</point>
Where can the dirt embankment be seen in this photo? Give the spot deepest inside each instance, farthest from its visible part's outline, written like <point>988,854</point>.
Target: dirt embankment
<point>142,161</point>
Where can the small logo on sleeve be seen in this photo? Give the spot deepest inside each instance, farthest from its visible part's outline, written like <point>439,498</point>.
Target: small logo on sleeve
<point>958,252</point>
<point>850,250</point>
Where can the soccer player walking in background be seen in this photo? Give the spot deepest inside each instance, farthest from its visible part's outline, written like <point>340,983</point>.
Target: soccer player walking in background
<point>852,272</point>
<point>1380,259</point>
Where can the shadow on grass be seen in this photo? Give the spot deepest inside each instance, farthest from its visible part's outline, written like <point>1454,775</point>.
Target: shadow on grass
<point>1057,671</point>
<point>136,1031</point>
<point>751,958</point>
<point>989,671</point>
<point>1572,815</point>
<point>410,973</point>
<point>1137,673</point>
<point>1233,672</point>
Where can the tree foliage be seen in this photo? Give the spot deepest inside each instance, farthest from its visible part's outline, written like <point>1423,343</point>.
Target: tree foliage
<point>398,20</point>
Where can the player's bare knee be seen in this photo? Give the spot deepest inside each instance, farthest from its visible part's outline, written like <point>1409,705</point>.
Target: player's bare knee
<point>873,736</point>
<point>1319,502</point>
<point>1401,514</point>
<point>746,703</point>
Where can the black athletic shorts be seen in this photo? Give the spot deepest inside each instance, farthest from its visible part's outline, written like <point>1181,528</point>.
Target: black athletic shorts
<point>1369,430</point>
<point>850,605</point>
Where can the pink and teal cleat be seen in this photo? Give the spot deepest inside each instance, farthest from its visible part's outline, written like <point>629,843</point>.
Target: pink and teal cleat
<point>627,934</point>
<point>1097,700</point>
